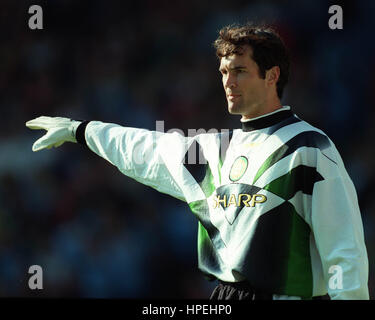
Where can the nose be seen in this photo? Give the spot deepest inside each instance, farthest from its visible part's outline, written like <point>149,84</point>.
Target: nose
<point>230,81</point>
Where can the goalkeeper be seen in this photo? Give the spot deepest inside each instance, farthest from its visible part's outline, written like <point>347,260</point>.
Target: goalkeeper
<point>278,216</point>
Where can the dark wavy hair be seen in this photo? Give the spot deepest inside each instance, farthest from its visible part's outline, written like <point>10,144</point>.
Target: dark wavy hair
<point>267,46</point>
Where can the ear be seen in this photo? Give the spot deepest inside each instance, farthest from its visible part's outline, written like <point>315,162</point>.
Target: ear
<point>272,75</point>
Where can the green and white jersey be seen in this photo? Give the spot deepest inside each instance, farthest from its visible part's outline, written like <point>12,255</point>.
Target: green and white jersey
<point>275,207</point>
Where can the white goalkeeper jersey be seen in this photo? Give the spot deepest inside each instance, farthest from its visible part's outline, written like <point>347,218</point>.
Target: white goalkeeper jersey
<point>275,205</point>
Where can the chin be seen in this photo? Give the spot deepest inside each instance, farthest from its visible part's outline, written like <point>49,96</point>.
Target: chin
<point>233,110</point>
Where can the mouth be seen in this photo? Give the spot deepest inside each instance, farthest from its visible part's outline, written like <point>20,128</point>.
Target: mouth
<point>233,96</point>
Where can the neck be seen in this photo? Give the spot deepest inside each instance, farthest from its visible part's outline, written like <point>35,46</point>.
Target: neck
<point>261,110</point>
<point>270,119</point>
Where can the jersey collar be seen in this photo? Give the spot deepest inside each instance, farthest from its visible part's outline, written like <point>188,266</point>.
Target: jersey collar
<point>267,120</point>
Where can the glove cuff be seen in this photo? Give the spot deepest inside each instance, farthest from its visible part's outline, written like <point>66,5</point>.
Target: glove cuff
<point>80,132</point>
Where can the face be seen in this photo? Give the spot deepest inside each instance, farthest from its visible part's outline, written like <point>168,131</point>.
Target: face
<point>245,90</point>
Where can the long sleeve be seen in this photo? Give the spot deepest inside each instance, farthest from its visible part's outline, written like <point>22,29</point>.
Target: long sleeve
<point>152,158</point>
<point>338,231</point>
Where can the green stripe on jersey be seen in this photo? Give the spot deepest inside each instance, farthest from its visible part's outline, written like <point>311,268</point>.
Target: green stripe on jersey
<point>301,178</point>
<point>207,183</point>
<point>298,278</point>
<point>311,139</point>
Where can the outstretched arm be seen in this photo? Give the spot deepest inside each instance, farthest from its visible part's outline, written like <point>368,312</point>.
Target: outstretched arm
<point>152,158</point>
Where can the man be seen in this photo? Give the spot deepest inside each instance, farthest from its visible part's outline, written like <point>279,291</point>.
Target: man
<point>278,216</point>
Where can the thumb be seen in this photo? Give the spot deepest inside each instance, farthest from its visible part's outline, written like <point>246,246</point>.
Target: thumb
<point>45,142</point>
<point>40,144</point>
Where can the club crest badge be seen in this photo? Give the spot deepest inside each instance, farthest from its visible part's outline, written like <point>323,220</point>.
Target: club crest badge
<point>238,169</point>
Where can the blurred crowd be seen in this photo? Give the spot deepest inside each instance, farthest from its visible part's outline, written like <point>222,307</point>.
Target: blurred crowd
<point>97,233</point>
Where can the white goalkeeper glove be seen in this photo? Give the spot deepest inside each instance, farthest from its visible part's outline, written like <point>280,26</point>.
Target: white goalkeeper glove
<point>59,130</point>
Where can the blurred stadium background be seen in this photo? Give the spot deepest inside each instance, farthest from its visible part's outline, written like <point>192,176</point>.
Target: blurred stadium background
<point>97,233</point>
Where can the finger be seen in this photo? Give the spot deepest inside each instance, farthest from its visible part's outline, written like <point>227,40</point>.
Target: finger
<point>39,123</point>
<point>33,125</point>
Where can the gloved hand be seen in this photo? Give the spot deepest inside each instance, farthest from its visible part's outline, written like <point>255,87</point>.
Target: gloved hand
<point>59,130</point>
